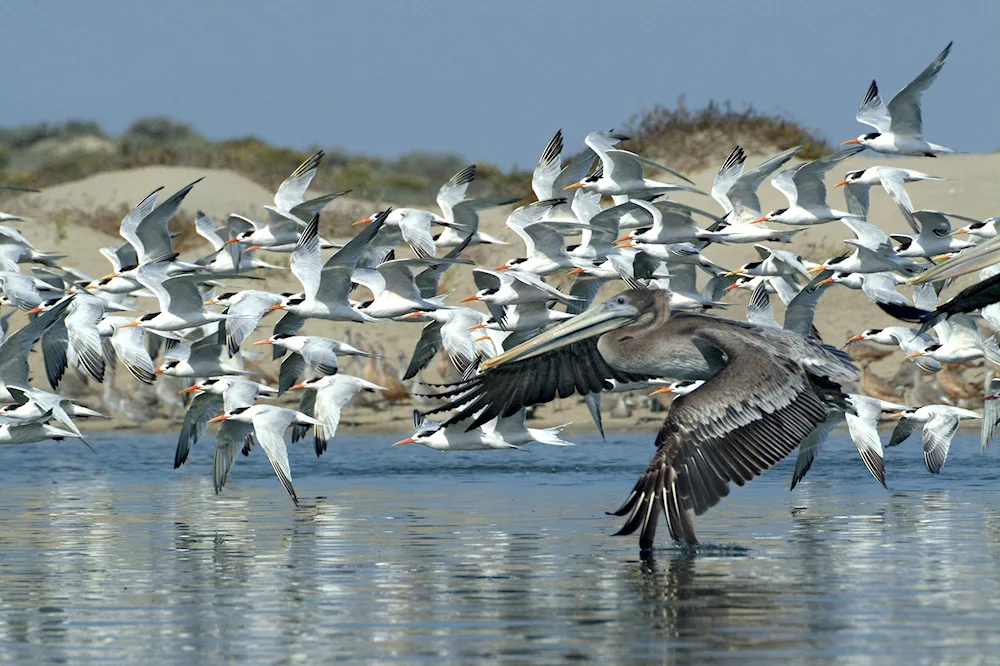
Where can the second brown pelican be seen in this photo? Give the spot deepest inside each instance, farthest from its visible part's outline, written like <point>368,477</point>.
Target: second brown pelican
<point>765,391</point>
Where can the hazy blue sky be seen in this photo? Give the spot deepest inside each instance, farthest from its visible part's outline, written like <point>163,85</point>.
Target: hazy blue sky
<point>491,81</point>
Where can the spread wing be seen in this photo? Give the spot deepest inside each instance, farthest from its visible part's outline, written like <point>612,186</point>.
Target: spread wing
<point>742,421</point>
<point>427,348</point>
<point>232,436</point>
<point>904,107</point>
<point>873,111</point>
<point>203,407</point>
<point>454,191</point>
<point>549,164</point>
<point>292,191</point>
<point>503,390</point>
<point>269,427</point>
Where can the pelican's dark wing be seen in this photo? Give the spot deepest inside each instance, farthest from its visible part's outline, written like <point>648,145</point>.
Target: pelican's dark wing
<point>742,421</point>
<point>504,389</point>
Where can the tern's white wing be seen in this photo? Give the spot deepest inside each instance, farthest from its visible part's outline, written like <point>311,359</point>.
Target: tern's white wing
<point>151,235</point>
<point>415,227</point>
<point>135,216</point>
<point>130,347</point>
<point>318,353</point>
<point>809,177</point>
<point>181,295</point>
<point>991,414</point>
<point>759,309</point>
<point>331,398</point>
<point>536,282</point>
<point>549,165</point>
<point>540,238</point>
<point>622,166</point>
<point>937,435</point>
<point>205,228</point>
<point>292,191</point>
<point>240,393</point>
<point>873,111</point>
<point>574,172</point>
<point>728,174</point>
<point>868,235</point>
<point>245,314</point>
<point>904,107</point>
<point>742,194</point>
<point>203,407</point>
<point>232,436</point>
<point>269,425</point>
<point>307,260</point>
<point>862,427</point>
<point>454,191</point>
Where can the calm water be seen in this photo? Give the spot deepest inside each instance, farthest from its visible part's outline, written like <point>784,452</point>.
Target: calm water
<point>408,555</point>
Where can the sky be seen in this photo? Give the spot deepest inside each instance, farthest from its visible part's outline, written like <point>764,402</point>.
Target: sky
<point>489,81</point>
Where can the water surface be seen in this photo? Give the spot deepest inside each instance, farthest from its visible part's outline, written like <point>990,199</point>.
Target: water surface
<point>408,555</point>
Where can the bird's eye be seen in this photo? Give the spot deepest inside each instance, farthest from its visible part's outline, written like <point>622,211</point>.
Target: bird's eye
<point>620,300</point>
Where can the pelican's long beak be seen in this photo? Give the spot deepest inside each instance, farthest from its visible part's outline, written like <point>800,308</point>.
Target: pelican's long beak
<point>854,338</point>
<point>467,299</point>
<point>220,417</point>
<point>665,389</point>
<point>366,220</point>
<point>574,186</point>
<point>966,261</point>
<point>737,273</point>
<point>817,269</point>
<point>943,257</point>
<point>913,355</point>
<point>263,342</point>
<point>595,321</point>
<point>191,389</point>
<point>128,324</point>
<point>851,142</point>
<point>408,440</point>
<point>842,183</point>
<point>279,306</point>
<point>760,220</point>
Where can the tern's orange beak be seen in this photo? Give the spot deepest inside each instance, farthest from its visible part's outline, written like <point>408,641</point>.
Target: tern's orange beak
<point>476,327</point>
<point>624,244</point>
<point>665,389</point>
<point>192,389</point>
<point>252,248</point>
<point>576,271</point>
<point>158,371</point>
<point>111,276</point>
<point>408,440</point>
<point>897,415</point>
<point>732,286</point>
<point>482,339</point>
<point>279,306</point>
<point>942,257</point>
<point>501,267</point>
<point>474,297</point>
<point>851,141</point>
<point>737,273</point>
<point>263,342</point>
<point>231,241</point>
<point>760,220</point>
<point>829,280</point>
<point>366,220</point>
<point>128,324</point>
<point>220,417</point>
<point>626,237</point>
<point>855,338</point>
<point>296,387</point>
<point>913,355</point>
<point>817,269</point>
<point>211,301</point>
<point>35,310</point>
<point>574,186</point>
<point>958,232</point>
<point>413,315</point>
<point>841,183</point>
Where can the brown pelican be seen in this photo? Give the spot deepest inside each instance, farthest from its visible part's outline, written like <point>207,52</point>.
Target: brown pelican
<point>765,391</point>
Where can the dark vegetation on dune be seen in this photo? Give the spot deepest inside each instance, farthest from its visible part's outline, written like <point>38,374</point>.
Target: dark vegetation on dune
<point>43,154</point>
